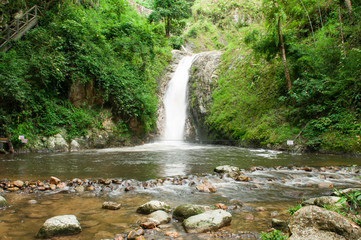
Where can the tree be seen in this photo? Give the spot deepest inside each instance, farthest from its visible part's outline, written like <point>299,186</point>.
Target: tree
<point>274,17</point>
<point>168,11</point>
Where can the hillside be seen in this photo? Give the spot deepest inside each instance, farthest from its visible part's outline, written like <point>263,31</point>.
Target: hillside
<point>85,70</point>
<point>253,103</point>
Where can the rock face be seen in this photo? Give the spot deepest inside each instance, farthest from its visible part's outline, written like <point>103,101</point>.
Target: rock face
<point>187,210</point>
<point>315,223</point>
<point>59,226</point>
<point>202,83</point>
<point>153,206</point>
<point>207,221</point>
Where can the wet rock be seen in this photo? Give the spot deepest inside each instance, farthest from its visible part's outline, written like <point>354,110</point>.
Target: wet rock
<point>18,183</point>
<point>187,210</point>
<point>206,187</point>
<point>280,225</point>
<point>149,224</point>
<point>90,188</point>
<point>54,180</point>
<point>79,189</point>
<point>243,179</point>
<point>111,205</point>
<point>249,217</point>
<point>260,209</point>
<point>3,202</point>
<point>207,221</point>
<point>171,234</point>
<point>153,206</point>
<point>312,222</point>
<point>52,186</point>
<point>132,235</point>
<point>13,189</point>
<point>229,171</point>
<point>61,185</point>
<point>325,185</point>
<point>322,201</point>
<point>59,226</point>
<point>221,206</point>
<point>161,216</point>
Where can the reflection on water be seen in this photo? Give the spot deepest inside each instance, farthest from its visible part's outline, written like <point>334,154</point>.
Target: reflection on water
<point>153,160</point>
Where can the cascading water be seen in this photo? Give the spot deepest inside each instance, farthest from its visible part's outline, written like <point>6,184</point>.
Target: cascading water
<point>175,102</point>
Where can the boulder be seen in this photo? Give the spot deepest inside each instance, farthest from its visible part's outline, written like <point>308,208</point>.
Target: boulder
<point>207,221</point>
<point>59,226</point>
<point>315,223</point>
<point>111,205</point>
<point>187,210</point>
<point>206,187</point>
<point>3,202</point>
<point>54,180</point>
<point>322,201</point>
<point>161,216</point>
<point>153,206</point>
<point>18,183</point>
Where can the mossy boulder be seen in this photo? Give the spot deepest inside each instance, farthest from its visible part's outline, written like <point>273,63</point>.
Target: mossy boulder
<point>187,210</point>
<point>59,226</point>
<point>153,206</point>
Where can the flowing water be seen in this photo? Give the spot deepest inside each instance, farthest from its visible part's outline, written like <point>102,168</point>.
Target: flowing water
<point>175,101</point>
<point>181,166</point>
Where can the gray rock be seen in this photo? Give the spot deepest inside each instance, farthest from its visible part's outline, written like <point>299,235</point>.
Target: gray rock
<point>187,210</point>
<point>161,216</point>
<point>323,201</point>
<point>207,221</point>
<point>202,82</point>
<point>59,226</point>
<point>315,223</point>
<point>347,190</point>
<point>111,205</point>
<point>153,206</point>
<point>3,202</point>
<point>74,146</point>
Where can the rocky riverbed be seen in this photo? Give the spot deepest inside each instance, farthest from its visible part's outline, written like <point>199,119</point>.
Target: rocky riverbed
<point>31,202</point>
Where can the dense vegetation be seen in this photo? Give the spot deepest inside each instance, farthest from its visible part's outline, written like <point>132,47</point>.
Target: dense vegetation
<point>79,60</point>
<point>290,69</point>
<point>253,103</point>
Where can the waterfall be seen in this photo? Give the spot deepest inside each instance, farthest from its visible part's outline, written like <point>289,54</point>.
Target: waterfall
<point>175,101</point>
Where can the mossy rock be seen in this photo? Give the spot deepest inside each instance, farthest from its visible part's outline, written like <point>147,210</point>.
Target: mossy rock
<point>187,210</point>
<point>153,206</point>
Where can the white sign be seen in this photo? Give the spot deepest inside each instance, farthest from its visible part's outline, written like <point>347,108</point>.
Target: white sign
<point>290,142</point>
<point>21,137</point>
<point>24,140</point>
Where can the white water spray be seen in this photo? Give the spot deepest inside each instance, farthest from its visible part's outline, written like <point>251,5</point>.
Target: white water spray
<point>175,101</point>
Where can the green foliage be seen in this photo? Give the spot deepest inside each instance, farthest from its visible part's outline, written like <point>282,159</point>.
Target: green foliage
<point>274,235</point>
<point>294,209</point>
<point>170,12</point>
<point>106,56</point>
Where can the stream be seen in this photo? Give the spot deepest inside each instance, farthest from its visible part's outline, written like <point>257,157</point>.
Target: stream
<point>274,187</point>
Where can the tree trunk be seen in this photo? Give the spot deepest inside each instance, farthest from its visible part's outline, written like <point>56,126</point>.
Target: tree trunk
<point>283,56</point>
<point>349,8</point>
<point>167,28</point>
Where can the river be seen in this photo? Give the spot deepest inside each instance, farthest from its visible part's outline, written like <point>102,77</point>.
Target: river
<point>274,189</point>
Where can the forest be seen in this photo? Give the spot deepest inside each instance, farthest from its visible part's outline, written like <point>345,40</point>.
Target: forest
<point>290,69</point>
